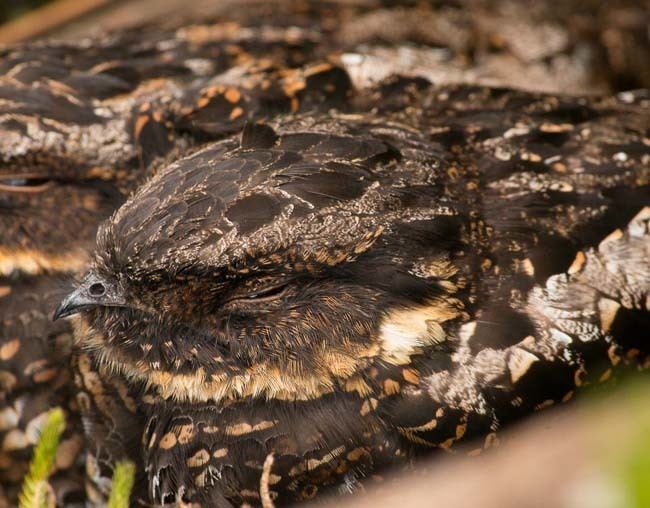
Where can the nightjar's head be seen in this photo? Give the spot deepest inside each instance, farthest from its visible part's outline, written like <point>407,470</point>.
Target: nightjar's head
<point>48,220</point>
<point>280,266</point>
<point>62,171</point>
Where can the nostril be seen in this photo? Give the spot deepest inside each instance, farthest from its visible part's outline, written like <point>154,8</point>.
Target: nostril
<point>97,289</point>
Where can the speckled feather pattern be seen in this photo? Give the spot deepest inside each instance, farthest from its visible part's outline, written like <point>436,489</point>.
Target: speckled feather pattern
<point>423,305</point>
<point>376,273</point>
<point>82,125</point>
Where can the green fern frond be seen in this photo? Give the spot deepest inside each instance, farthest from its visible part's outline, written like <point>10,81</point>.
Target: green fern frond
<point>36,491</point>
<point>123,479</point>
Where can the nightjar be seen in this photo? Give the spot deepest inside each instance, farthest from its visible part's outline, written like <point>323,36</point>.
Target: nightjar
<point>344,292</point>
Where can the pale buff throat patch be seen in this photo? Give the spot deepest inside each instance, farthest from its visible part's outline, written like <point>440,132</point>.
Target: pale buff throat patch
<point>263,380</point>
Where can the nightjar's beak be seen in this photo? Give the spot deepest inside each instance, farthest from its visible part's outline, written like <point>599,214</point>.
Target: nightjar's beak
<point>93,292</point>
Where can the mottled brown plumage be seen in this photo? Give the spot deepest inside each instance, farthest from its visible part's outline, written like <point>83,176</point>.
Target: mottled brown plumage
<point>81,126</point>
<point>346,291</point>
<point>83,123</point>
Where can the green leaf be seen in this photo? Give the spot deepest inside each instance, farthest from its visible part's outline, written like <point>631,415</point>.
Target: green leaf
<point>36,490</point>
<point>123,479</point>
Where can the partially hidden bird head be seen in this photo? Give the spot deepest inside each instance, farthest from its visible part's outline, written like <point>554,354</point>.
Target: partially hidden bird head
<point>64,169</point>
<point>48,219</point>
<point>280,266</point>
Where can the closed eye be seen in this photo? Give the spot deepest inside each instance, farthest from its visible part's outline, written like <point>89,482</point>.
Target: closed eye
<point>24,183</point>
<point>268,293</point>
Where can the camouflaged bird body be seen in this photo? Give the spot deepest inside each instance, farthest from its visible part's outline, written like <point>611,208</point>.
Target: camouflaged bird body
<point>346,291</point>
